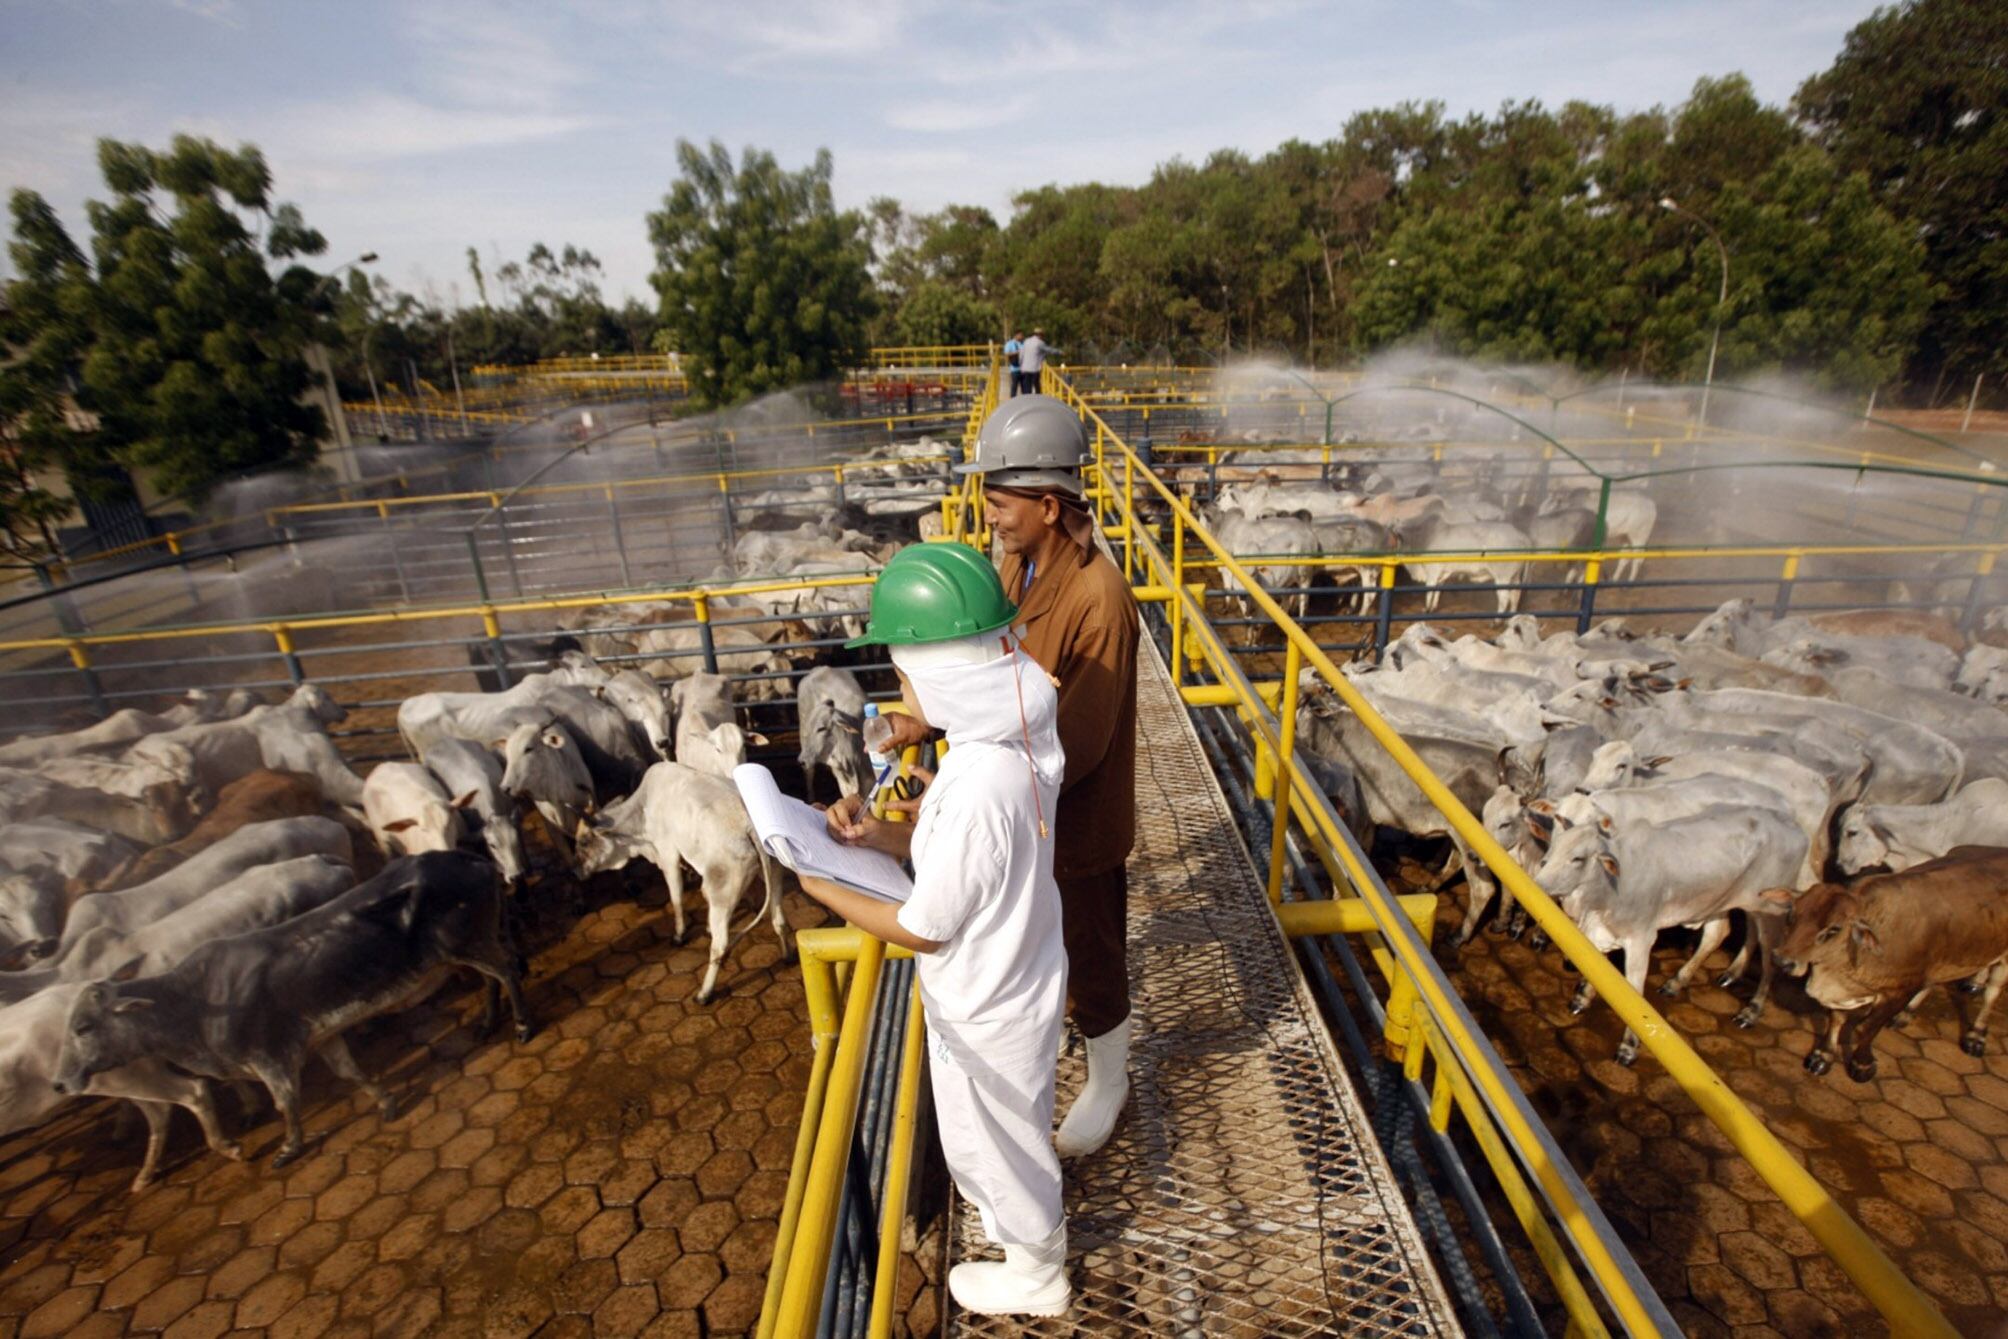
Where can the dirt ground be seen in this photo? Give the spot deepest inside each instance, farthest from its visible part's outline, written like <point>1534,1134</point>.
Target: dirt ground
<point>622,1173</point>
<point>1918,1155</point>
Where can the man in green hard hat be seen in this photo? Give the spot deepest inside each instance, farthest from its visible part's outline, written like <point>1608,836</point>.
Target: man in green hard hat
<point>984,917</point>
<point>1079,622</point>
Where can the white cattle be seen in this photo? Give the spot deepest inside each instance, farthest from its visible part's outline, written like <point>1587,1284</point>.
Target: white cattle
<point>1249,537</point>
<point>31,1038</point>
<point>258,897</point>
<point>1624,885</point>
<point>1469,763</point>
<point>1629,519</point>
<point>1898,836</point>
<point>640,698</point>
<point>250,846</point>
<point>599,730</point>
<point>1956,716</point>
<point>1479,541</point>
<point>1917,764</point>
<point>40,862</point>
<point>1655,803</point>
<point>290,737</point>
<point>681,815</point>
<point>1804,792</point>
<point>1983,674</point>
<point>1421,641</point>
<point>708,735</point>
<point>467,769</point>
<point>168,777</point>
<point>409,811</point>
<point>679,647</point>
<point>764,552</point>
<point>1911,661</point>
<point>125,725</point>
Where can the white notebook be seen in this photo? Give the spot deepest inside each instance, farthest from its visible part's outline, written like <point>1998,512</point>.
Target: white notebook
<point>795,834</point>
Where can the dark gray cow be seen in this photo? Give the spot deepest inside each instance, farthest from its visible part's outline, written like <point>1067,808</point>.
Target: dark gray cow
<point>830,704</point>
<point>255,1005</point>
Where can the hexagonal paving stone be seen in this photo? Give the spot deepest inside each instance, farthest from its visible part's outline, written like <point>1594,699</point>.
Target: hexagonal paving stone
<point>605,1233</point>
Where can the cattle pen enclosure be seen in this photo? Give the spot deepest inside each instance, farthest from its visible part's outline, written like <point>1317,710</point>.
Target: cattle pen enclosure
<point>630,1165</point>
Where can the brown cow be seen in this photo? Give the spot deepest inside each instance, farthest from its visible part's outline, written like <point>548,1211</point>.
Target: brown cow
<point>255,797</point>
<point>1875,943</point>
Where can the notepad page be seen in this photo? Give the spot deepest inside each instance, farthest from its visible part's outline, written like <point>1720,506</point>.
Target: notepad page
<point>795,834</point>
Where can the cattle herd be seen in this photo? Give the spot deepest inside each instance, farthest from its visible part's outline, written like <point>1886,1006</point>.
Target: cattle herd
<point>212,893</point>
<point>1827,778</point>
<point>1406,502</point>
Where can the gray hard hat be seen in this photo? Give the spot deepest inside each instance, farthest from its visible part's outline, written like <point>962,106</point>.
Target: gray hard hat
<point>1031,441</point>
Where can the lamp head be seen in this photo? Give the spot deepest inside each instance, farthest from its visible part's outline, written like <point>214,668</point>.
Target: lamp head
<point>366,258</point>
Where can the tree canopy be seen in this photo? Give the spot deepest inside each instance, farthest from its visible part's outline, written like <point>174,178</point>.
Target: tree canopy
<point>174,336</point>
<point>1917,101</point>
<point>763,283</point>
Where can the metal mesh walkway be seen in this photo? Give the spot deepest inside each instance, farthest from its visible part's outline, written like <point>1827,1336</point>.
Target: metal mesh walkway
<point>1243,1193</point>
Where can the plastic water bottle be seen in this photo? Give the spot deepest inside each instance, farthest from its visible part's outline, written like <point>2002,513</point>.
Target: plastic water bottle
<point>877,733</point>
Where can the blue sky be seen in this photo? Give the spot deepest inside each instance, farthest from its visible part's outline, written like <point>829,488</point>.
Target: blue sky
<point>418,129</point>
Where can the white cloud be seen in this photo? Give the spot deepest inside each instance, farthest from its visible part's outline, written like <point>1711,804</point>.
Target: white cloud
<point>485,55</point>
<point>789,31</point>
<point>217,11</point>
<point>375,126</point>
<point>954,115</point>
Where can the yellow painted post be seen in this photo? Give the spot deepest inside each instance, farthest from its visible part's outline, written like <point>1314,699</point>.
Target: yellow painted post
<point>808,1260</point>
<point>1177,595</point>
<point>1129,517</point>
<point>1402,1001</point>
<point>1293,664</point>
<point>906,1108</point>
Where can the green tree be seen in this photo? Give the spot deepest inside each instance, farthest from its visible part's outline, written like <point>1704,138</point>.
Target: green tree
<point>763,283</point>
<point>1555,246</point>
<point>940,313</point>
<point>43,335</point>
<point>1918,100</point>
<point>184,345</point>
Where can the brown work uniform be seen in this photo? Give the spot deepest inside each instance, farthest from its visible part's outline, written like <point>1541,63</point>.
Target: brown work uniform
<point>1080,624</point>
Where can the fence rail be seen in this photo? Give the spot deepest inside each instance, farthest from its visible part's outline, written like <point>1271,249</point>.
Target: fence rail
<point>1422,1004</point>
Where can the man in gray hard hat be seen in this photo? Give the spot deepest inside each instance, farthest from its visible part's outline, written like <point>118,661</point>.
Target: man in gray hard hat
<point>1080,624</point>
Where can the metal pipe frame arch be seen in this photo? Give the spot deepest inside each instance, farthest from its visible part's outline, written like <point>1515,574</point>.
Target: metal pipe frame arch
<point>1609,388</point>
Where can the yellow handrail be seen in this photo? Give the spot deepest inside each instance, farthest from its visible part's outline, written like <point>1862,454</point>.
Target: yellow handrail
<point>1892,1293</point>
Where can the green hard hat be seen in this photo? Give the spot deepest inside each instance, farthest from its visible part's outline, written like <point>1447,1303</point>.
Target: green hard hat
<point>935,593</point>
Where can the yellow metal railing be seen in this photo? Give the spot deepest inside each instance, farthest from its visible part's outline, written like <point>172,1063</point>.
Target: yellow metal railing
<point>174,542</point>
<point>807,1231</point>
<point>490,612</point>
<point>1468,1072</point>
<point>722,479</point>
<point>931,355</point>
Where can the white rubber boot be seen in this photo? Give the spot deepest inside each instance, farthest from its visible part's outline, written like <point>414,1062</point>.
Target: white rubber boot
<point>1092,1118</point>
<point>1028,1281</point>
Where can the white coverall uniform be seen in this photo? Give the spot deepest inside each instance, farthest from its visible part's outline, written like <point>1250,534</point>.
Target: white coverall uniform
<point>996,990</point>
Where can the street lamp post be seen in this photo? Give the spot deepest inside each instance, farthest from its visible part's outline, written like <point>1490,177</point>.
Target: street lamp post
<point>324,365</point>
<point>1721,297</point>
<point>368,334</point>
